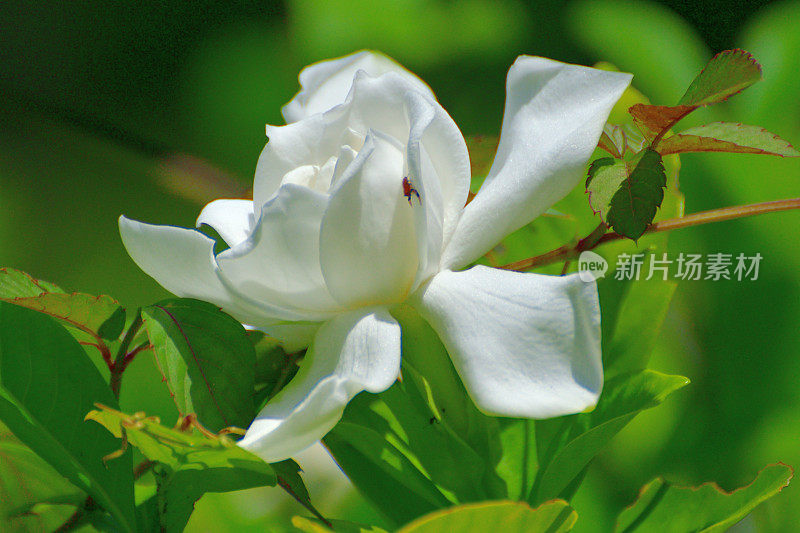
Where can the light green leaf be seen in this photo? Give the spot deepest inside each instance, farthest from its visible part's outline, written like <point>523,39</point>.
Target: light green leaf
<point>99,316</point>
<point>633,312</point>
<point>727,137</point>
<point>504,516</point>
<point>625,194</point>
<point>190,463</point>
<point>207,360</point>
<point>728,73</point>
<point>579,438</point>
<point>310,525</point>
<point>25,481</point>
<point>17,284</point>
<point>666,508</point>
<point>47,385</point>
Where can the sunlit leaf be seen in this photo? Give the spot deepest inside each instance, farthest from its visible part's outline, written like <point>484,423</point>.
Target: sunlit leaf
<point>663,507</point>
<point>509,517</point>
<point>580,437</point>
<point>25,481</point>
<point>309,525</point>
<point>47,385</point>
<point>727,137</point>
<point>726,74</point>
<point>653,119</point>
<point>99,316</point>
<point>17,284</point>
<point>207,360</point>
<point>190,463</point>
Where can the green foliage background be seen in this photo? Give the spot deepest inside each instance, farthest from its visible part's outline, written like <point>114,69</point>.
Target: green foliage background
<point>96,99</point>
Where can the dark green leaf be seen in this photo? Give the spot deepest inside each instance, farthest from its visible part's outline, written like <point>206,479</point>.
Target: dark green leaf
<point>207,360</point>
<point>728,73</point>
<point>727,137</point>
<point>666,508</point>
<point>190,463</point>
<point>47,385</point>
<point>579,438</point>
<point>386,473</point>
<point>627,199</point>
<point>503,516</point>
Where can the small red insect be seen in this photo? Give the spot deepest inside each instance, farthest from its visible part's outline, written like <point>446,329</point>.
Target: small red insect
<point>408,190</point>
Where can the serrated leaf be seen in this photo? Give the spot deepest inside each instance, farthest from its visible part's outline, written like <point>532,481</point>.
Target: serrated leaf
<point>653,119</point>
<point>663,507</point>
<point>580,437</point>
<point>17,284</point>
<point>207,360</point>
<point>509,517</point>
<point>47,385</point>
<point>627,199</point>
<point>189,463</point>
<point>727,137</point>
<point>726,74</point>
<point>99,316</point>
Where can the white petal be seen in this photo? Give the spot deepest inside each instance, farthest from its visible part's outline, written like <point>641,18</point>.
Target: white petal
<point>438,167</point>
<point>279,262</point>
<point>327,83</point>
<point>525,345</point>
<point>232,219</point>
<point>351,353</point>
<point>554,115</point>
<point>182,261</point>
<point>368,242</point>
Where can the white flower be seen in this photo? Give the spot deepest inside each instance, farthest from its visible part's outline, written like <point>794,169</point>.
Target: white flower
<point>334,238</point>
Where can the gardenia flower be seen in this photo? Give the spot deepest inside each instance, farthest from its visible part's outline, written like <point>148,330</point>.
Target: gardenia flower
<point>360,204</point>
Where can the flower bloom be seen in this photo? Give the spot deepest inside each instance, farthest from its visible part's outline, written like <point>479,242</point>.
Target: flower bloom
<point>359,205</point>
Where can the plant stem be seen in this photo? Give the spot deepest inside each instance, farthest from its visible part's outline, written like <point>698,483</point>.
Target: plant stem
<point>599,235</point>
<point>119,361</point>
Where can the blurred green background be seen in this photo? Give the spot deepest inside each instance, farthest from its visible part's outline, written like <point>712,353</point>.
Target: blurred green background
<point>104,104</point>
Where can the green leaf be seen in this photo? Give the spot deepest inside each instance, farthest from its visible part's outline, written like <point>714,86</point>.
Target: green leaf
<point>727,137</point>
<point>422,444</point>
<point>47,385</point>
<point>579,438</point>
<point>633,312</point>
<point>189,463</point>
<point>664,507</point>
<point>25,481</point>
<point>17,284</point>
<point>310,525</point>
<point>383,469</point>
<point>288,475</point>
<point>99,316</point>
<point>728,73</point>
<point>207,360</point>
<point>627,199</point>
<point>509,517</point>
